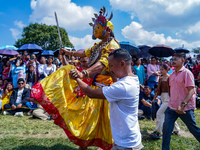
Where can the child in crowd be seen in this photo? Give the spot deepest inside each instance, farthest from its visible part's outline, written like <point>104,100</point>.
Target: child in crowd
<point>31,76</point>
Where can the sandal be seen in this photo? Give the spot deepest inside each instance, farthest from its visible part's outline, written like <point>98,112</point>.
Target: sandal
<point>155,135</point>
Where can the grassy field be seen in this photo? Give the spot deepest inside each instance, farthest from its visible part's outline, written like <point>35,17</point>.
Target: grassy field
<point>33,134</point>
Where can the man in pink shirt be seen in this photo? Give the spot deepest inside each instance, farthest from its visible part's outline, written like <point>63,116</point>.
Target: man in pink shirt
<point>182,101</point>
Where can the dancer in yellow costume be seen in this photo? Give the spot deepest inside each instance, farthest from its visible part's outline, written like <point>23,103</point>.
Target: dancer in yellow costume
<point>85,120</point>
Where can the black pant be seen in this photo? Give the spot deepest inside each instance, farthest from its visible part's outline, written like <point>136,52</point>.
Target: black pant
<point>8,107</point>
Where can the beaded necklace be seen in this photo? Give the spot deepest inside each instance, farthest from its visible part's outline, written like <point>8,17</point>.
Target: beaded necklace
<point>95,53</point>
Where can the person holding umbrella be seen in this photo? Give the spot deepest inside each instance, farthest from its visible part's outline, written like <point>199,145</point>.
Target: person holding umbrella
<point>153,73</point>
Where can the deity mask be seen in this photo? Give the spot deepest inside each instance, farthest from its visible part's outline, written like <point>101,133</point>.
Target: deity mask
<point>101,24</point>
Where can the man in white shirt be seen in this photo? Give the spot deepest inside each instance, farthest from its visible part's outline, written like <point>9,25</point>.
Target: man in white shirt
<point>123,97</point>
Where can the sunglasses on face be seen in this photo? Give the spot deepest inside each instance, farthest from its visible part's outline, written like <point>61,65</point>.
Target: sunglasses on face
<point>21,83</point>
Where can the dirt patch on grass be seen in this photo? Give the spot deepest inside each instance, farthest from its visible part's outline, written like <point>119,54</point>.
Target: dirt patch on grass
<point>46,135</point>
<point>183,133</point>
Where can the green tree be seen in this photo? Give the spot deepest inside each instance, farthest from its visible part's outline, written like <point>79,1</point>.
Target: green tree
<point>44,35</point>
<point>196,50</point>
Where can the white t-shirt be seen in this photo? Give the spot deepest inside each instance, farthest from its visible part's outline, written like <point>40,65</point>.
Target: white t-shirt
<point>48,69</point>
<point>19,96</point>
<point>41,69</point>
<point>123,96</point>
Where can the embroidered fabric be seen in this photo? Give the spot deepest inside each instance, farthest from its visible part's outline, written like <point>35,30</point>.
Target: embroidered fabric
<point>95,53</point>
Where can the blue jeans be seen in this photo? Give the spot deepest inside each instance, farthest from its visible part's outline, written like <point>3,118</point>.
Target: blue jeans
<point>168,126</point>
<point>146,111</point>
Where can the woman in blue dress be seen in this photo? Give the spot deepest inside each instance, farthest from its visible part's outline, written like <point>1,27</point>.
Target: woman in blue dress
<point>139,70</point>
<point>18,70</point>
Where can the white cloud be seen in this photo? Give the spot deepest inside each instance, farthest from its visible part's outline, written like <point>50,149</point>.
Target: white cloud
<point>82,43</point>
<point>161,14</point>
<point>191,34</point>
<point>19,24</point>
<point>135,32</point>
<point>15,33</point>
<point>70,16</point>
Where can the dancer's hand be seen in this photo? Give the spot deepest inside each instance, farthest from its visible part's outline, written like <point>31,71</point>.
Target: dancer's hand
<point>74,74</point>
<point>31,99</point>
<point>63,51</point>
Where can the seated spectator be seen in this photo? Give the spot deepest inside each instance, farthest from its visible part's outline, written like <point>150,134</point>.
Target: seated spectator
<point>31,77</point>
<point>6,96</point>
<point>41,113</point>
<point>18,99</point>
<point>145,102</point>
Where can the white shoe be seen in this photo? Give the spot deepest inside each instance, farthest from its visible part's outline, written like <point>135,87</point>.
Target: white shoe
<point>6,113</point>
<point>29,113</point>
<point>19,114</point>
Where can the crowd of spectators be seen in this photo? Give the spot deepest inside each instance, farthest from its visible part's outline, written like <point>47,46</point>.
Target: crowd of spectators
<point>19,73</point>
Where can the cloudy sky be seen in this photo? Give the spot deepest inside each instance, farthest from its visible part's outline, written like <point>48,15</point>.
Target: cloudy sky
<point>149,22</point>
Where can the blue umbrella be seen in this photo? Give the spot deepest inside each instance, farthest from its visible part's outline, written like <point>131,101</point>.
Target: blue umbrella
<point>9,47</point>
<point>161,51</point>
<point>30,48</point>
<point>8,52</point>
<point>144,51</point>
<point>47,53</point>
<point>133,50</point>
<point>181,49</point>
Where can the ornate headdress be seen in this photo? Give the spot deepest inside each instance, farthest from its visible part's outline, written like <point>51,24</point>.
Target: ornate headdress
<point>101,23</point>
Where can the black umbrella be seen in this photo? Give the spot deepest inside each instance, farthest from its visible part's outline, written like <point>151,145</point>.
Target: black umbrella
<point>30,48</point>
<point>144,51</point>
<point>181,50</point>
<point>133,50</point>
<point>161,51</point>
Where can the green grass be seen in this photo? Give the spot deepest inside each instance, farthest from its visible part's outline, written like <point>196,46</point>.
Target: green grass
<point>34,134</point>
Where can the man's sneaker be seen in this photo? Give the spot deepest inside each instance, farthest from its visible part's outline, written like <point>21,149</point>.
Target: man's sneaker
<point>19,114</point>
<point>6,113</point>
<point>155,135</point>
